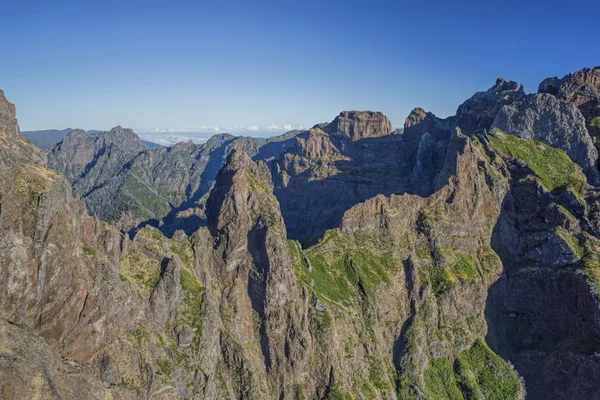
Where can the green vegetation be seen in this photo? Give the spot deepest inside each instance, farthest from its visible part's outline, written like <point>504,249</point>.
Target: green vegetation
<point>477,373</point>
<point>325,170</point>
<point>484,372</point>
<point>299,393</point>
<point>336,392</point>
<point>89,250</point>
<point>164,367</point>
<point>338,268</point>
<point>377,375</point>
<point>363,384</point>
<point>150,232</point>
<point>191,307</point>
<point>32,179</point>
<point>440,380</point>
<point>554,169</point>
<point>130,385</point>
<point>571,240</point>
<point>590,262</point>
<point>139,337</point>
<point>451,268</point>
<point>267,200</point>
<point>140,269</point>
<point>595,122</point>
<point>151,204</point>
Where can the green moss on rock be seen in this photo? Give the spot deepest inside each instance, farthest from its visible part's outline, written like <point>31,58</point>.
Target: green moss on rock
<point>571,240</point>
<point>89,250</point>
<point>138,268</point>
<point>338,267</point>
<point>553,167</point>
<point>477,373</point>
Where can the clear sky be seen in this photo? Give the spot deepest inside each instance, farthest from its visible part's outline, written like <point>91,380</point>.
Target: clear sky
<point>181,65</point>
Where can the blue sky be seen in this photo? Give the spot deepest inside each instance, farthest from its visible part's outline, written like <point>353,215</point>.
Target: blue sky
<point>181,65</point>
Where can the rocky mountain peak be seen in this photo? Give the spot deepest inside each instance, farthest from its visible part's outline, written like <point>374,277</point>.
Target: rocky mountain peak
<point>420,122</point>
<point>7,109</point>
<point>361,124</point>
<point>123,137</point>
<point>555,122</point>
<point>477,113</point>
<point>579,87</point>
<point>229,202</point>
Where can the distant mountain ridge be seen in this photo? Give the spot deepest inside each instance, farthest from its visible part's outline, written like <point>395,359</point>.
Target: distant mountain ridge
<point>123,182</point>
<point>47,138</point>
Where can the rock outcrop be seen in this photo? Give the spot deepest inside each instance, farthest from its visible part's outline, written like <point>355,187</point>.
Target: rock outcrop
<point>359,125</point>
<point>581,88</point>
<point>477,113</point>
<point>555,122</point>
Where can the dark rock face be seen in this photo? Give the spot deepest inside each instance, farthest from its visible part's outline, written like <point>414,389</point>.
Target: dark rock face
<point>477,113</point>
<point>542,313</point>
<point>557,123</point>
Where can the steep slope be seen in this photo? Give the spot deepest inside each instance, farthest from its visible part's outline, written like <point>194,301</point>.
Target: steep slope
<point>123,182</point>
<point>45,274</point>
<point>353,158</point>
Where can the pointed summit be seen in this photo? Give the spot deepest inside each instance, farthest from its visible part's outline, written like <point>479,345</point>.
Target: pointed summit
<point>7,109</point>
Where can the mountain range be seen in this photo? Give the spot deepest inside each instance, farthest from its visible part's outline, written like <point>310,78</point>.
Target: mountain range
<point>46,139</point>
<point>456,258</point>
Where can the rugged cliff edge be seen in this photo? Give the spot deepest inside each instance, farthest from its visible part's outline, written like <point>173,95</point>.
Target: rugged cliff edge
<point>456,260</point>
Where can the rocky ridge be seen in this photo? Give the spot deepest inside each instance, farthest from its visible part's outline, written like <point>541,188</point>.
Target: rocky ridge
<point>123,182</point>
<point>423,280</point>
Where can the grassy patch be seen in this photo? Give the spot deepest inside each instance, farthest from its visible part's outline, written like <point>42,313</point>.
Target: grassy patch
<point>440,380</point>
<point>33,180</point>
<point>571,240</point>
<point>553,167</point>
<point>191,306</point>
<point>338,267</point>
<point>451,268</point>
<point>486,375</point>
<point>89,250</point>
<point>595,122</point>
<point>477,373</point>
<point>165,368</point>
<point>165,247</point>
<point>336,392</point>
<point>377,375</point>
<point>139,337</point>
<point>267,201</point>
<point>138,268</point>
<point>130,385</point>
<point>299,393</point>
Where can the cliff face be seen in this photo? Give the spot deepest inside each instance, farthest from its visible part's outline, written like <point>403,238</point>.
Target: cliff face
<point>46,274</point>
<point>581,88</point>
<point>458,259</point>
<point>360,124</point>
